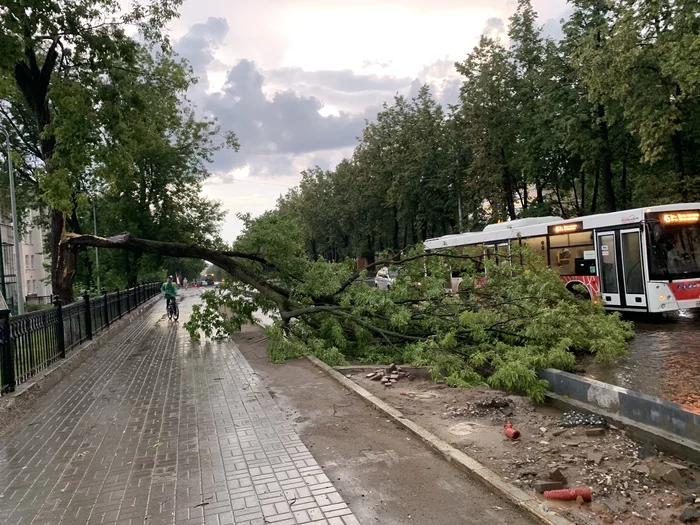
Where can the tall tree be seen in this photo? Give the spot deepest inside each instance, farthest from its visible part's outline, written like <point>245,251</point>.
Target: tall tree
<point>490,112</point>
<point>54,54</point>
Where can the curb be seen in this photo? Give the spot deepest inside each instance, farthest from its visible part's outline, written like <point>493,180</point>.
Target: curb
<point>523,500</point>
<point>664,441</point>
<point>14,405</point>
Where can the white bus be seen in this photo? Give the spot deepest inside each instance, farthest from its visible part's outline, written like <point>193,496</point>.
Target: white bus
<point>641,260</point>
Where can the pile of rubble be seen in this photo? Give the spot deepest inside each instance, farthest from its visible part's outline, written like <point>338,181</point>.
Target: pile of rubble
<point>575,419</point>
<point>483,408</point>
<point>389,375</point>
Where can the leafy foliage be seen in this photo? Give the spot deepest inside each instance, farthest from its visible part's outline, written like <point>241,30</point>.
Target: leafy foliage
<point>99,117</point>
<point>496,331</point>
<point>604,119</point>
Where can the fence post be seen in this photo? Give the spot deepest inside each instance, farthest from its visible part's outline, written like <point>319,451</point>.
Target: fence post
<point>106,307</point>
<point>60,337</point>
<point>88,315</point>
<point>119,304</point>
<point>8,365</point>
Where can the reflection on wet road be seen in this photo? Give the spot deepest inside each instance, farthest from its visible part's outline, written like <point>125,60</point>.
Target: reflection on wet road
<point>664,361</point>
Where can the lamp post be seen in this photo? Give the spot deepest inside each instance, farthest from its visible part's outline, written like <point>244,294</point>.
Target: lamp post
<point>15,224</point>
<point>97,253</point>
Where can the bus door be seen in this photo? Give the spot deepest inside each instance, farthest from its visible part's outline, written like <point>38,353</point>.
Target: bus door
<point>632,267</point>
<point>608,268</point>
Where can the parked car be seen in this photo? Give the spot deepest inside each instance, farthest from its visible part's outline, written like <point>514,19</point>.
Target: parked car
<point>385,279</point>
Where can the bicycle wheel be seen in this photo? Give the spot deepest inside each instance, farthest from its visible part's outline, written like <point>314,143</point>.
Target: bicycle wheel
<point>176,311</point>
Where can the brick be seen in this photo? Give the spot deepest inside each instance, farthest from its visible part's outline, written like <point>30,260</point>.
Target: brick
<point>137,432</point>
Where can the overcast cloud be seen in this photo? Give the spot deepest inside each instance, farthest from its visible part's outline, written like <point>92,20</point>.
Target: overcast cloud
<point>296,80</point>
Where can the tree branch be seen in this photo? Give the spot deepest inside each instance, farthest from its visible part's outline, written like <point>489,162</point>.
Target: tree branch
<point>125,241</point>
<point>386,262</point>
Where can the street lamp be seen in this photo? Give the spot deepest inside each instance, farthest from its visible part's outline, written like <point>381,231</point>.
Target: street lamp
<point>97,253</point>
<point>15,224</point>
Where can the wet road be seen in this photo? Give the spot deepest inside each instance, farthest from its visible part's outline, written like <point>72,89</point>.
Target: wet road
<point>664,360</point>
<point>159,429</point>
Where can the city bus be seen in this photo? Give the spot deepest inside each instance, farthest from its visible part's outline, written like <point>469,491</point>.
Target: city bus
<point>640,260</point>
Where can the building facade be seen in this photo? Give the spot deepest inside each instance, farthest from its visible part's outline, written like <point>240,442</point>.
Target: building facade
<point>33,271</point>
<point>36,272</point>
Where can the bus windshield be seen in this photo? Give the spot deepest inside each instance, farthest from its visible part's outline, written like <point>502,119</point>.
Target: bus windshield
<point>674,252</point>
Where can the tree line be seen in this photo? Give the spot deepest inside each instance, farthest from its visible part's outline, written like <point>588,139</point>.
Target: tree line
<point>606,118</point>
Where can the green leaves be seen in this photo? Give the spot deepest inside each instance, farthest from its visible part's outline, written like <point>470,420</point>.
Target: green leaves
<point>499,332</point>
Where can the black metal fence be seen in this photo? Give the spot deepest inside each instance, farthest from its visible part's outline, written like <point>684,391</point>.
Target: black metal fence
<point>31,342</point>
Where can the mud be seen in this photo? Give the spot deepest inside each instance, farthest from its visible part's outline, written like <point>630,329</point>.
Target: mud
<point>385,474</point>
<point>623,475</point>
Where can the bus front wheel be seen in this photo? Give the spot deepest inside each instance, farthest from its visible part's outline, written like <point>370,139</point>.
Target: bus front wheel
<point>579,290</point>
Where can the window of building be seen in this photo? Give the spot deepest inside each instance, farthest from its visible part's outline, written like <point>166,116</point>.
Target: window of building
<point>26,261</point>
<point>31,260</point>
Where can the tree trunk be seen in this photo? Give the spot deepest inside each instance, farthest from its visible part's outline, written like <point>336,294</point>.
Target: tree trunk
<point>594,200</point>
<point>624,181</point>
<point>582,211</point>
<point>608,189</point>
<point>508,187</point>
<point>576,202</point>
<point>679,164</point>
<point>395,232</point>
<point>561,206</point>
<point>62,259</point>
<point>540,192</point>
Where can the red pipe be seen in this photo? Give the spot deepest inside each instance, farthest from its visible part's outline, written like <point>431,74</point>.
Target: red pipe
<point>510,432</point>
<point>569,494</point>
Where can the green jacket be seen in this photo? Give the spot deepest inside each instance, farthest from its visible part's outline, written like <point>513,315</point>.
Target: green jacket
<point>170,290</point>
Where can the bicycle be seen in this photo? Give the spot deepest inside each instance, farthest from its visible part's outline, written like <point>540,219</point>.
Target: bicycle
<point>173,310</point>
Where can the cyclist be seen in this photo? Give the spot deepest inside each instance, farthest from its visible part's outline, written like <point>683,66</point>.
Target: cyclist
<point>169,288</point>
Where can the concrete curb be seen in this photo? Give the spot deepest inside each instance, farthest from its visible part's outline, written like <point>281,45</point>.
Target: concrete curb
<point>650,411</point>
<point>13,405</point>
<point>517,496</point>
<point>664,441</point>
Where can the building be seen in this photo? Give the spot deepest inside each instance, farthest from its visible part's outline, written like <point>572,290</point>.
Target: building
<point>8,272</point>
<point>33,271</point>
<point>36,273</point>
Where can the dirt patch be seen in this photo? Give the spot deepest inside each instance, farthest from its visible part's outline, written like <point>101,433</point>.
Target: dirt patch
<point>385,474</point>
<point>631,484</point>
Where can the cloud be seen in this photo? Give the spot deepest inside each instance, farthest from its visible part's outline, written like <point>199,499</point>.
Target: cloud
<point>284,123</point>
<point>495,28</point>
<point>346,80</point>
<point>199,44</point>
<point>296,84</point>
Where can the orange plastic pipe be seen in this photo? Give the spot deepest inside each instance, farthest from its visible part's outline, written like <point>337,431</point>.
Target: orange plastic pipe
<point>510,432</point>
<point>569,494</point>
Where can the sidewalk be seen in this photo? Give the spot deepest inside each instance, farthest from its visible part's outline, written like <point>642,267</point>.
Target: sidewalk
<point>157,429</point>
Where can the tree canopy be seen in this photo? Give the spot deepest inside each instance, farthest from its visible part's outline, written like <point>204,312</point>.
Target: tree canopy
<point>497,331</point>
<point>96,102</point>
<point>602,120</point>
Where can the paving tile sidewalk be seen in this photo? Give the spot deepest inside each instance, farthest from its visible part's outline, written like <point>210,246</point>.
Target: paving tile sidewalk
<point>158,429</point>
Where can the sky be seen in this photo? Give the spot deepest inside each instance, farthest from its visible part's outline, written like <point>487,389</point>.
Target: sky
<point>296,79</point>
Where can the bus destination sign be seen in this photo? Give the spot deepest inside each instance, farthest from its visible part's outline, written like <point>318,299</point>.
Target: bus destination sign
<point>681,217</point>
<point>570,227</point>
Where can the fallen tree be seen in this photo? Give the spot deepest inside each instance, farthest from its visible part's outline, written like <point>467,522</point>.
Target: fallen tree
<point>498,332</point>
